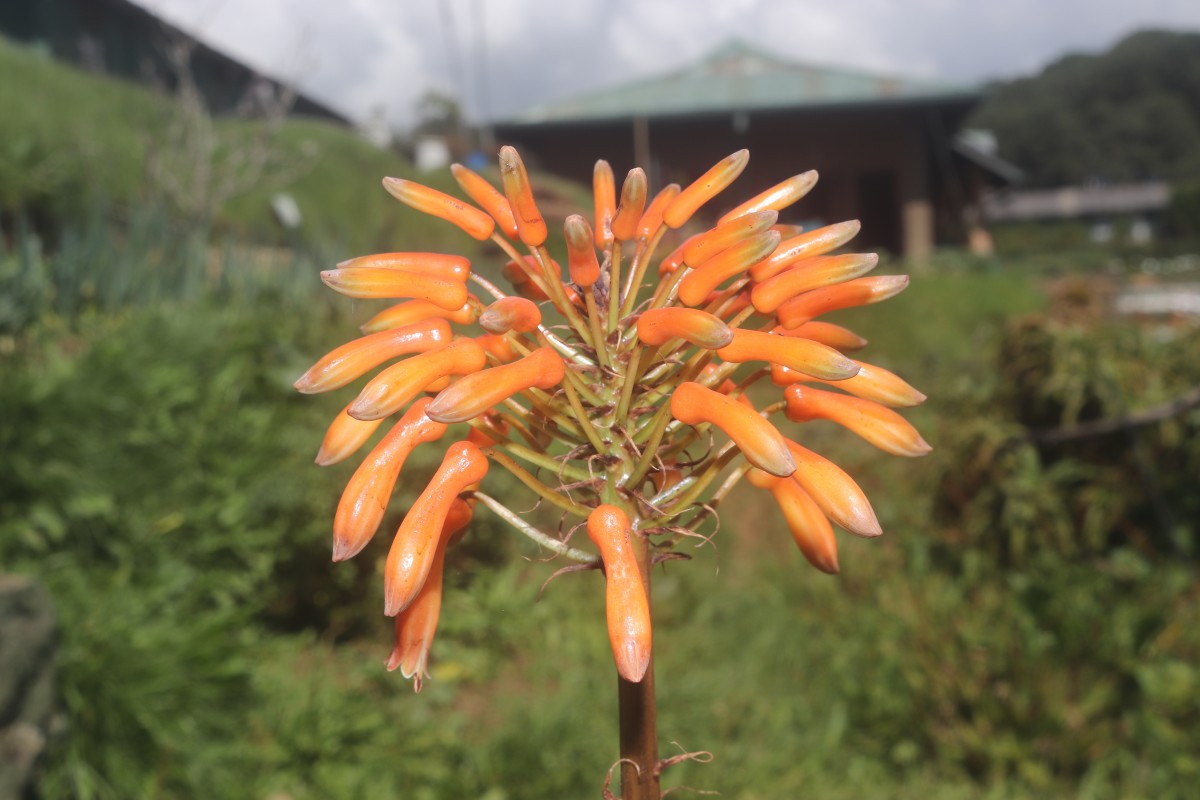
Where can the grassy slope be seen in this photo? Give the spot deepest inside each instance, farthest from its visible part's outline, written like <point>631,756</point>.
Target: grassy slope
<point>69,139</point>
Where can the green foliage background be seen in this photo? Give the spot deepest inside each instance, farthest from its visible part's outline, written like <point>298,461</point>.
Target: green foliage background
<point>1129,114</point>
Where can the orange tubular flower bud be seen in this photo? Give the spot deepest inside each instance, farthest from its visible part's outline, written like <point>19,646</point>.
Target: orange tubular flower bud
<point>436,204</point>
<point>530,225</point>
<point>763,445</point>
<point>378,282</point>
<point>417,624</point>
<point>871,383</point>
<point>365,499</point>
<point>497,346</point>
<point>343,364</point>
<point>777,198</point>
<point>633,202</point>
<point>518,275</point>
<point>496,424</point>
<point>809,526</point>
<point>487,196</point>
<point>651,219</point>
<point>835,492</point>
<point>411,311</point>
<point>625,601</point>
<point>411,556</point>
<point>511,314</point>
<point>396,386</point>
<point>698,327</point>
<point>705,188</point>
<point>696,285</point>
<point>435,265</point>
<point>345,435</point>
<point>835,336</point>
<point>809,357</point>
<point>880,426</point>
<point>705,246</point>
<point>858,292</point>
<point>808,274</point>
<point>581,254</point>
<point>814,243</point>
<point>604,190</point>
<point>471,396</point>
<point>675,260</point>
<point>788,231</point>
<point>732,305</point>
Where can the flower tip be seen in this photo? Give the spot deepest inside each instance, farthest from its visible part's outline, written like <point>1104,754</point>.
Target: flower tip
<point>827,563</point>
<point>780,463</point>
<point>920,448</point>
<point>634,661</point>
<point>343,550</point>
<point>842,368</point>
<point>365,410</point>
<point>863,522</point>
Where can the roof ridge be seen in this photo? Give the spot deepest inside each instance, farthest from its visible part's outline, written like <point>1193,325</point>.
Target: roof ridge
<point>702,86</point>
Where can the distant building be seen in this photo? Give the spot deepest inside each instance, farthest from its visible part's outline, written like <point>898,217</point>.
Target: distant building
<point>1100,206</point>
<point>885,147</point>
<point>123,39</point>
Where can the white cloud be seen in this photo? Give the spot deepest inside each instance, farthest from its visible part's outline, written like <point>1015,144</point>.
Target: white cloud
<point>360,54</point>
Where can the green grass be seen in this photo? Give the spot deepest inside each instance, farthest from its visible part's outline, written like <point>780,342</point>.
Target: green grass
<point>85,141</point>
<point>160,483</point>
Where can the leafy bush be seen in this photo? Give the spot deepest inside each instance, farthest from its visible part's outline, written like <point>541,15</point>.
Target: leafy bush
<point>1009,494</point>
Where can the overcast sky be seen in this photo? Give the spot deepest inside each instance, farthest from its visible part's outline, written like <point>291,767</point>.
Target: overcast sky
<point>500,56</point>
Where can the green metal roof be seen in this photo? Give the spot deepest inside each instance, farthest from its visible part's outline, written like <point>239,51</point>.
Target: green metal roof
<point>740,77</point>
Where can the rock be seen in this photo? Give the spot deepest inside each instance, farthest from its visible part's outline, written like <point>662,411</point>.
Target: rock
<point>28,643</point>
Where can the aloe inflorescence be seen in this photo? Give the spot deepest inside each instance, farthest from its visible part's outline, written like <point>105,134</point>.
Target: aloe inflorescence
<point>630,413</point>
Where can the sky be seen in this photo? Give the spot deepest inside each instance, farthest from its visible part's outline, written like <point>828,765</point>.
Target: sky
<point>379,57</point>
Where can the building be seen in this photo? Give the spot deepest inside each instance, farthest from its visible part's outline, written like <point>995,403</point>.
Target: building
<point>1101,206</point>
<point>885,147</point>
<point>123,39</point>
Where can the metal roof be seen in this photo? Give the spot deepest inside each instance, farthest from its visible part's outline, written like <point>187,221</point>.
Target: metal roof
<point>740,77</point>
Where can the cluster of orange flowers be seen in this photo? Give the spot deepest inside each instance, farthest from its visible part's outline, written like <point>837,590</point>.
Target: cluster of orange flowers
<point>643,366</point>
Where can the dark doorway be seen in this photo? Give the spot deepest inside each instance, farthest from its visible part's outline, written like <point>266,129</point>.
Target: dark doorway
<point>879,211</point>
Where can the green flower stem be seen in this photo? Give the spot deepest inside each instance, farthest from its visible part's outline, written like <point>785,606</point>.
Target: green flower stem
<point>666,291</point>
<point>576,380</point>
<point>627,387</point>
<point>546,461</point>
<point>589,297</point>
<point>743,315</point>
<point>657,428</point>
<point>614,286</point>
<point>487,286</point>
<point>585,421</point>
<point>540,489</point>
<point>543,539</point>
<point>717,463</point>
<point>641,261</point>
<point>748,381</point>
<point>716,306</point>
<point>558,296</point>
<point>517,424</point>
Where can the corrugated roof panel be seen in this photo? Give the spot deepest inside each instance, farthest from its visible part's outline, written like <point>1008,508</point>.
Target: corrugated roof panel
<point>737,77</point>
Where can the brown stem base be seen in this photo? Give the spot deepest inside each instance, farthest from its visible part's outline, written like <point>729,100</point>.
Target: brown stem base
<point>639,738</point>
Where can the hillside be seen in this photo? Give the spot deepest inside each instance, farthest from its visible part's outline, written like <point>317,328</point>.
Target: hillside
<point>1132,113</point>
<point>72,143</point>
